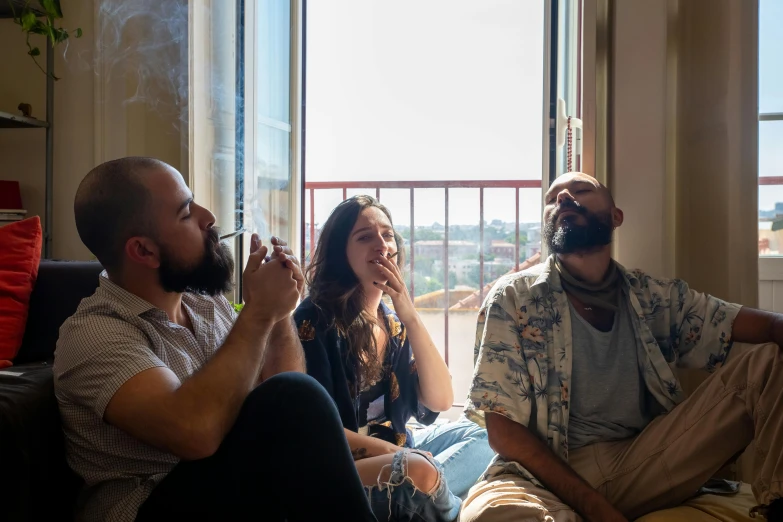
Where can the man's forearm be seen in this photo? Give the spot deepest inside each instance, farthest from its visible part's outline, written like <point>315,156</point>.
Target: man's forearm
<point>214,395</point>
<point>283,351</point>
<point>756,327</point>
<point>512,441</point>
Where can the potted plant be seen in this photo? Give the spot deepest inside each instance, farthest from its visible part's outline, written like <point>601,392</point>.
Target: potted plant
<point>41,20</point>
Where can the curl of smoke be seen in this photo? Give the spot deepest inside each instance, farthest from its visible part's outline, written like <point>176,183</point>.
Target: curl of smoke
<point>147,39</point>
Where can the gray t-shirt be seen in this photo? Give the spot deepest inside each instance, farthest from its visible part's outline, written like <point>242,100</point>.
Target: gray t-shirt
<point>609,400</point>
<point>113,336</point>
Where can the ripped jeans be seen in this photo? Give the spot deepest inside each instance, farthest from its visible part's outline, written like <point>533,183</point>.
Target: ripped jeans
<point>398,500</point>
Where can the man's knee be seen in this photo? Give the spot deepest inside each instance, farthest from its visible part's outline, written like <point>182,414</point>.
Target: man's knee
<point>288,390</point>
<point>510,499</point>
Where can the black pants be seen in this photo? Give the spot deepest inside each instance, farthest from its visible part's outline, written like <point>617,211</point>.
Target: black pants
<point>286,458</point>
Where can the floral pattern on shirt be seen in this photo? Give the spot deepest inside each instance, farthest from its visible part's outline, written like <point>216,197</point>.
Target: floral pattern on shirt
<point>523,348</point>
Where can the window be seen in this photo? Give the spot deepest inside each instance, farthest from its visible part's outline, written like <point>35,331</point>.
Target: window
<point>445,110</point>
<point>441,109</point>
<point>269,196</point>
<point>243,112</point>
<point>770,130</point>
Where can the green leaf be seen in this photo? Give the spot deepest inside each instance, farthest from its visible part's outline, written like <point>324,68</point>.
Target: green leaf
<point>60,35</point>
<point>28,20</point>
<point>34,52</point>
<point>78,32</point>
<point>52,8</point>
<point>39,28</point>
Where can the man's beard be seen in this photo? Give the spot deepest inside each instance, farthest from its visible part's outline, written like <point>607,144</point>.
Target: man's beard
<point>212,275</point>
<point>571,238</point>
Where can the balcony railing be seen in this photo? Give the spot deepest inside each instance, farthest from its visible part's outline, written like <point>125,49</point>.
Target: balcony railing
<point>311,188</point>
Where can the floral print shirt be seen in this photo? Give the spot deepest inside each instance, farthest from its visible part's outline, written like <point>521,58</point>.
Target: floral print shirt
<point>330,363</point>
<point>523,348</point>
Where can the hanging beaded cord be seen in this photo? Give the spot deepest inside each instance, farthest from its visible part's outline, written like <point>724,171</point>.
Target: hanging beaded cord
<point>569,146</point>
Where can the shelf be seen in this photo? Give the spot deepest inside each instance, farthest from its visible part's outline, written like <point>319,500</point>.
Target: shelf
<point>6,12</point>
<point>12,121</point>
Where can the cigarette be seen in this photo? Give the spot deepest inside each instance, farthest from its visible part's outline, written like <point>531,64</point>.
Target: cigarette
<point>232,234</point>
<point>391,256</point>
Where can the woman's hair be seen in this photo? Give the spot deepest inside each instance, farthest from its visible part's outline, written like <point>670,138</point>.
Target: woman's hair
<point>336,291</point>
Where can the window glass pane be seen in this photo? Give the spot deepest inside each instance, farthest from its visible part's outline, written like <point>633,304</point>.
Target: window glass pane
<point>268,191</point>
<point>770,149</point>
<point>568,58</point>
<point>454,92</point>
<point>770,44</point>
<point>770,188</point>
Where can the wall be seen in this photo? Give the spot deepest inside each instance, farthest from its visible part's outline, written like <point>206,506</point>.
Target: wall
<point>638,158</point>
<point>684,143</point>
<point>142,131</point>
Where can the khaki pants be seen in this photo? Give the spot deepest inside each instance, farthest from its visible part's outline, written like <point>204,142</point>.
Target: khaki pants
<point>673,457</point>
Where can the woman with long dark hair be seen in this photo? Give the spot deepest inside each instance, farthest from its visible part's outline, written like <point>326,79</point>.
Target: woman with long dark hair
<point>382,368</point>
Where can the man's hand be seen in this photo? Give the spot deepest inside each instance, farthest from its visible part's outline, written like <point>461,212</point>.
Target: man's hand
<point>270,289</point>
<point>513,441</point>
<point>281,251</point>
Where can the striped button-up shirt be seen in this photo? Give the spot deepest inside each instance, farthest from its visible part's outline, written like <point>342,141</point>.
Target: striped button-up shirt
<point>113,336</point>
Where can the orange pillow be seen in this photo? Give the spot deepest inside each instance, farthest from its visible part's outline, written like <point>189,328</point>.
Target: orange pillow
<point>20,254</point>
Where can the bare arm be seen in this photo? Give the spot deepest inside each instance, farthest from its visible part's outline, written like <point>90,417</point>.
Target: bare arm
<point>283,351</point>
<point>363,447</point>
<point>513,441</point>
<point>190,419</point>
<point>435,390</point>
<point>757,326</point>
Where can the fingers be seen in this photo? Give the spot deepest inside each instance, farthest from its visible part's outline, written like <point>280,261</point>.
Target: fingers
<point>256,258</point>
<point>386,288</point>
<point>278,242</point>
<point>391,266</point>
<point>293,263</point>
<point>282,250</point>
<point>392,279</point>
<point>255,243</point>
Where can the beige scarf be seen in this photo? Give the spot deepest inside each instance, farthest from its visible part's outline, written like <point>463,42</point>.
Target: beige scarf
<point>602,295</point>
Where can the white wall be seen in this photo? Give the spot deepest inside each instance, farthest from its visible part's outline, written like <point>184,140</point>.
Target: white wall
<point>638,179</point>
<point>22,152</point>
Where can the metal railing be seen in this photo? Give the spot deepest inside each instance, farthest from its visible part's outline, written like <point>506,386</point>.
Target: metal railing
<point>378,186</point>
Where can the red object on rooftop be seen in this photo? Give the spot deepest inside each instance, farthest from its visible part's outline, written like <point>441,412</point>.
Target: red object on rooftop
<point>10,195</point>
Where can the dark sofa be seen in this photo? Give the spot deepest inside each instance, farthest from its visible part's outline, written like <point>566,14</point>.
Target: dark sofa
<point>36,483</point>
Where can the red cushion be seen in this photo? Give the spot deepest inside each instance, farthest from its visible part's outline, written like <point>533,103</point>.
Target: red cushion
<point>20,254</point>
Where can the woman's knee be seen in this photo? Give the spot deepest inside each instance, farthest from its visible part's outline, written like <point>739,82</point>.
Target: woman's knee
<point>424,475</point>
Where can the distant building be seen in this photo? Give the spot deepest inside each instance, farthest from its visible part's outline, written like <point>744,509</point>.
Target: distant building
<point>435,249</point>
<point>500,248</point>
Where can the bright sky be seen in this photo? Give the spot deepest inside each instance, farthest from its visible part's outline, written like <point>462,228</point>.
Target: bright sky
<point>770,100</point>
<point>452,89</point>
<point>435,90</point>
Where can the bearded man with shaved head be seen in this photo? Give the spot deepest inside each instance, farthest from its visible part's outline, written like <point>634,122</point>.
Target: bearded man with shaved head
<point>175,407</point>
<point>575,381</point>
